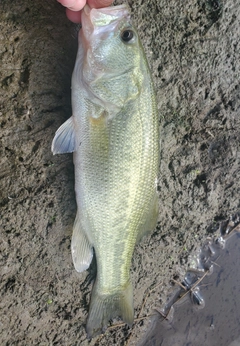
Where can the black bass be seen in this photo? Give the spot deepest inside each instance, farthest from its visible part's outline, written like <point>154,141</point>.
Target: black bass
<point>114,135</point>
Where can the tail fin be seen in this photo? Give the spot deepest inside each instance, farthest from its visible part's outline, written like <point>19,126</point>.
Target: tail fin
<point>105,307</point>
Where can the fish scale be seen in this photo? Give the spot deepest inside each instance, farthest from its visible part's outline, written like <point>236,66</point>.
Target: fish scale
<point>115,139</point>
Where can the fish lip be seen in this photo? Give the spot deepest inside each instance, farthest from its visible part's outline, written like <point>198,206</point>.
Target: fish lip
<point>87,9</point>
<point>116,12</point>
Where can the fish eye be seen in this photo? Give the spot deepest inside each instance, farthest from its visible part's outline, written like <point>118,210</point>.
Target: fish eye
<point>127,35</point>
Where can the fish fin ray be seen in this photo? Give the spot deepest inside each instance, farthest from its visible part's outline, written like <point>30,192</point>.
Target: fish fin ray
<point>151,220</point>
<point>64,139</point>
<point>82,251</point>
<point>105,307</point>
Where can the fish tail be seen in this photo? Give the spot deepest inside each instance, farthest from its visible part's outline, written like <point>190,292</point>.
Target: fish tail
<point>105,307</point>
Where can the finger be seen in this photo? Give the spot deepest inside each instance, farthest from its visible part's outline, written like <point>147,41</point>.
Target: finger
<point>74,5</point>
<point>74,16</point>
<point>99,3</point>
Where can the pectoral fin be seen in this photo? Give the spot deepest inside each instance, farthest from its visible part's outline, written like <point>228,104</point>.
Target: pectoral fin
<point>82,251</point>
<point>64,139</point>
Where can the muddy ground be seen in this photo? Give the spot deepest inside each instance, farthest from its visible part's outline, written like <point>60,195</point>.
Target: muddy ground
<point>193,51</point>
<point>206,310</point>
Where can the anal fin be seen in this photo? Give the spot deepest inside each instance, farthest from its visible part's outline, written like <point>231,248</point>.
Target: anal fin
<point>82,251</point>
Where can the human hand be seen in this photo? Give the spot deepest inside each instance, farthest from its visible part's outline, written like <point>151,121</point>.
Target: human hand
<point>74,7</point>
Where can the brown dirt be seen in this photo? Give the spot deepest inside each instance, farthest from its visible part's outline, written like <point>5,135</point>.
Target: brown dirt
<point>193,51</point>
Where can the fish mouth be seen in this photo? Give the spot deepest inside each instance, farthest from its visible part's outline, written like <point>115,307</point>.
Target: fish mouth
<point>101,21</point>
<point>102,17</point>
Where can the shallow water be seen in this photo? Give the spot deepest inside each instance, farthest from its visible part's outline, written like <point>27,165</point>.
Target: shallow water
<point>209,314</point>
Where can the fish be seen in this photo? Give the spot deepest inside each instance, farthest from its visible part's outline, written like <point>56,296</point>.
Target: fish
<point>114,136</point>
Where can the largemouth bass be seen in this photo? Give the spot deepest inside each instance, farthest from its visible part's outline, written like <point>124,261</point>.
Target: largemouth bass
<point>113,133</point>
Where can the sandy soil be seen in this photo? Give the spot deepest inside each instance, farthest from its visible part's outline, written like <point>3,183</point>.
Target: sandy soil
<point>193,52</point>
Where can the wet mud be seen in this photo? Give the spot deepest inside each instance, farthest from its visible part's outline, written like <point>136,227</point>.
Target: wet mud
<point>193,51</point>
<point>205,309</point>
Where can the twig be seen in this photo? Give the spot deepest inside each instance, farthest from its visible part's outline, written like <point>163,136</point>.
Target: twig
<point>179,284</point>
<point>146,297</point>
<point>216,263</point>
<point>161,313</point>
<point>192,288</point>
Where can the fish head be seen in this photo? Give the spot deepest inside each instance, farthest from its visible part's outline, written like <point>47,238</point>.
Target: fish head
<point>110,42</point>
